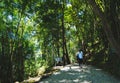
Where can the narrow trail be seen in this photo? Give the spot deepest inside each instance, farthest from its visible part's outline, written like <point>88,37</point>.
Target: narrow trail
<point>73,74</point>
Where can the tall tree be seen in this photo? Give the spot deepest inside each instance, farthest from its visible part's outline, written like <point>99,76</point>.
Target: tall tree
<point>107,27</point>
<point>64,47</point>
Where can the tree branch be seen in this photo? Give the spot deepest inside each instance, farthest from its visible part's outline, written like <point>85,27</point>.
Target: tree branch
<point>106,26</point>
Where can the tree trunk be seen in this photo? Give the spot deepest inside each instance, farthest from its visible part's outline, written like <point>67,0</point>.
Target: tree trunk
<point>64,47</point>
<point>106,27</point>
<point>67,55</point>
<point>63,35</point>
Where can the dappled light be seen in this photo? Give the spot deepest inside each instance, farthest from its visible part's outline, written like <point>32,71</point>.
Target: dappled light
<point>75,74</point>
<point>38,38</point>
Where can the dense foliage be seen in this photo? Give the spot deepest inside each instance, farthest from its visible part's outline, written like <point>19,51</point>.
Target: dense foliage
<point>34,32</point>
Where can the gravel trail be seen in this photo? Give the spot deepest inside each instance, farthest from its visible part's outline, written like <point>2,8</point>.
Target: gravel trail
<point>74,74</point>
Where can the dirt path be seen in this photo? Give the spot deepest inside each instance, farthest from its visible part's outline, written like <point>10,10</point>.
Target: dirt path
<point>73,74</point>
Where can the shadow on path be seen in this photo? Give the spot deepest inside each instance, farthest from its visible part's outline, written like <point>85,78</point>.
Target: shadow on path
<point>74,74</point>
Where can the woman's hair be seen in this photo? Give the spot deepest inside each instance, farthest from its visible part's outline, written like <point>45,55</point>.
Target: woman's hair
<point>80,49</point>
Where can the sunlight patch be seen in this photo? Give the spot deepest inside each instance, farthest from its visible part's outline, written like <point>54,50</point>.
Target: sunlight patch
<point>65,68</point>
<point>56,73</point>
<point>86,81</point>
<point>63,81</point>
<point>76,80</point>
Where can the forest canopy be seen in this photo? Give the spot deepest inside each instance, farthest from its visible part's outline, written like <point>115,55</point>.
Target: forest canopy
<point>34,32</point>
